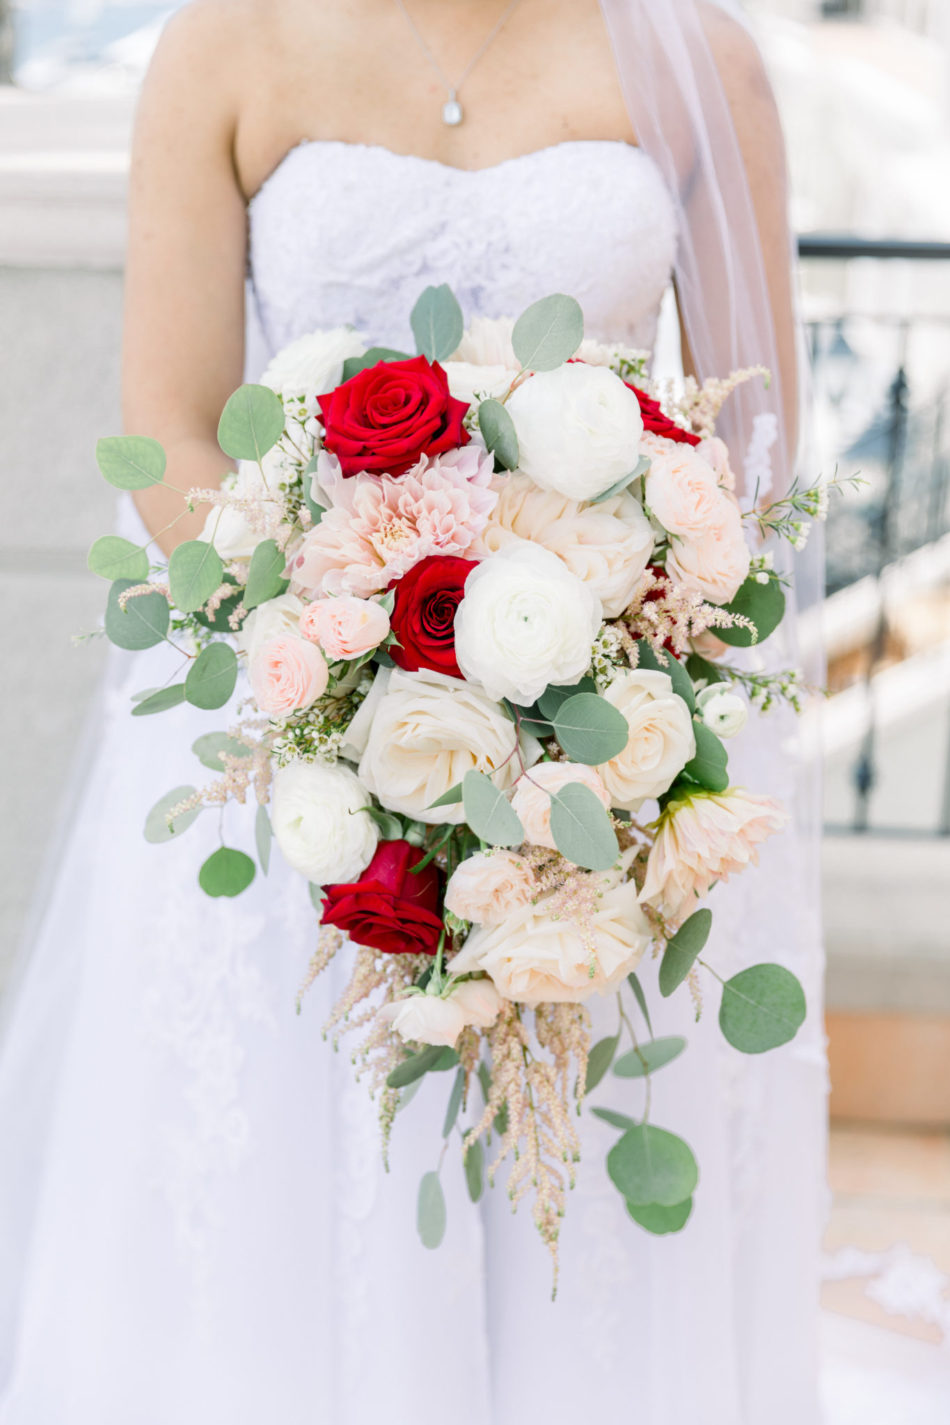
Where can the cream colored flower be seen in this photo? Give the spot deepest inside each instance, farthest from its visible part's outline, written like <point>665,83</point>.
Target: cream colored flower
<point>440,1019</point>
<point>681,488</point>
<point>714,564</point>
<point>319,822</point>
<point>661,739</point>
<point>532,798</point>
<point>473,384</point>
<point>722,710</point>
<point>487,342</point>
<point>312,365</point>
<point>278,618</point>
<point>488,886</point>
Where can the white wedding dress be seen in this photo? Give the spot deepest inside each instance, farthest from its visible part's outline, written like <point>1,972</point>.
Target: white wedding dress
<point>195,1224</point>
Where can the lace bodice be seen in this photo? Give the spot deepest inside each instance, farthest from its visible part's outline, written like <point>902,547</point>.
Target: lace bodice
<point>352,233</point>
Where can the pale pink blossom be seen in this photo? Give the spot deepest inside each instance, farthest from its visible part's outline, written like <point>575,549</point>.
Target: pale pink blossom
<point>532,799</point>
<point>716,454</point>
<point>488,886</point>
<point>681,489</point>
<point>715,563</point>
<point>440,1019</point>
<point>345,627</point>
<point>377,527</point>
<point>287,674</point>
<point>704,838</point>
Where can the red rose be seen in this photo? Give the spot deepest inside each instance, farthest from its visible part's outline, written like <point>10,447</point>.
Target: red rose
<point>389,414</point>
<point>389,908</point>
<point>654,420</point>
<point>423,617</point>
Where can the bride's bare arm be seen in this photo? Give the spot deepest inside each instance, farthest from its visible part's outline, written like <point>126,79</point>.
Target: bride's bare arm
<point>184,295</point>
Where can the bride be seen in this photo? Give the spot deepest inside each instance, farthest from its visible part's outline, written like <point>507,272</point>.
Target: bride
<point>195,1224</point>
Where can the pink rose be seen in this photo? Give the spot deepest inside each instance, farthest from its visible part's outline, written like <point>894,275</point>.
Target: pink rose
<point>532,801</point>
<point>286,675</point>
<point>346,627</point>
<point>488,886</point>
<point>716,453</point>
<point>715,563</point>
<point>681,488</point>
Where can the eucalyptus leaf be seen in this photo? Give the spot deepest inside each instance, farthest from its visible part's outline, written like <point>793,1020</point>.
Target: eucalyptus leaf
<point>226,872</point>
<point>489,813</point>
<point>474,1170</point>
<point>616,1120</point>
<point>599,1061</point>
<point>265,575</point>
<point>764,604</point>
<point>498,428</point>
<point>390,827</point>
<point>212,676</point>
<point>762,1007</point>
<point>143,622</point>
<point>208,747</point>
<point>633,980</point>
<point>437,322</point>
<point>160,701</point>
<point>641,468</point>
<point>554,695</point>
<point>709,767</point>
<point>434,1057</point>
<point>447,799</point>
<point>194,572</point>
<point>430,1211</point>
<point>581,828</point>
<point>353,365</point>
<point>115,558</point>
<point>590,729</point>
<point>651,1166</point>
<point>131,462</point>
<point>672,667</point>
<point>682,949</point>
<point>454,1103</point>
<point>638,1063</point>
<point>548,333</point>
<point>251,423</point>
<point>316,897</point>
<point>220,620</point>
<point>157,829</point>
<point>661,1220</point>
<point>263,836</point>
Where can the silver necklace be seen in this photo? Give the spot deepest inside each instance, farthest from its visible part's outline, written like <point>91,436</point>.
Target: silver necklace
<point>452,111</point>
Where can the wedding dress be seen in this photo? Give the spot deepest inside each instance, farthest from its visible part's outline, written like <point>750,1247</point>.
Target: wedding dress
<point>195,1224</point>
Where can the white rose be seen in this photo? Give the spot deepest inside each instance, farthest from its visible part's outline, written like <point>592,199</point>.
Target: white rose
<point>312,365</point>
<point>723,711</point>
<point>489,885</point>
<point>525,621</point>
<point>599,353</point>
<point>532,798</point>
<point>319,822</point>
<point>487,342</point>
<point>661,739</point>
<point>438,1019</point>
<point>471,383</point>
<point>275,619</point>
<point>227,526</point>
<point>607,545</point>
<point>425,732</point>
<point>478,1000</point>
<point>579,429</point>
<point>536,959</point>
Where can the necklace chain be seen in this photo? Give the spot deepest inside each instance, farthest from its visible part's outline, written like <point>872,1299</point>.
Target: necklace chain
<point>452,110</point>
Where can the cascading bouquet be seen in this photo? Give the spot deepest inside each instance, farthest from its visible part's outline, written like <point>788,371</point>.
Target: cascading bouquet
<point>485,610</point>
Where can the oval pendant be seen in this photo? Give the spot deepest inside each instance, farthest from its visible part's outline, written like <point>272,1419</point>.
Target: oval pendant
<point>452,111</point>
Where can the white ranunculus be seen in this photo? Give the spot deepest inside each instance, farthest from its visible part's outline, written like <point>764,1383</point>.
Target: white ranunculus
<point>426,730</point>
<point>319,822</point>
<point>472,384</point>
<point>525,621</point>
<point>722,710</point>
<point>534,957</point>
<point>661,739</point>
<point>579,429</point>
<point>275,619</point>
<point>312,365</point>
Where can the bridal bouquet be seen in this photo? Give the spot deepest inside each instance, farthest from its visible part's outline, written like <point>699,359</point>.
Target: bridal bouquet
<point>481,601</point>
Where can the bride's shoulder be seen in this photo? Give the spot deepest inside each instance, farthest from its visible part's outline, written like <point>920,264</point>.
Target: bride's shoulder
<point>736,54</point>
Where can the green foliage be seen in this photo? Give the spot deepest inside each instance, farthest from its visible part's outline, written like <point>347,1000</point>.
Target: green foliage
<point>682,949</point>
<point>590,729</point>
<point>641,468</point>
<point>682,682</point>
<point>661,1220</point>
<point>434,1058</point>
<point>474,1170</point>
<point>762,1007</point>
<point>263,836</point>
<point>710,765</point>
<point>226,872</point>
<point>599,1061</point>
<point>616,1120</point>
<point>437,322</point>
<point>251,423</point>
<point>115,558</point>
<point>764,604</point>
<point>131,462</point>
<point>160,701</point>
<point>430,1211</point>
<point>454,1103</point>
<point>447,799</point>
<point>194,572</point>
<point>548,333</point>
<point>489,813</point>
<point>390,827</point>
<point>649,1057</point>
<point>212,676</point>
<point>265,575</point>
<point>581,828</point>
<point>651,1166</point>
<point>633,980</point>
<point>142,624</point>
<point>209,745</point>
<point>499,431</point>
<point>554,695</point>
<point>157,829</point>
<point>220,620</point>
<point>353,365</point>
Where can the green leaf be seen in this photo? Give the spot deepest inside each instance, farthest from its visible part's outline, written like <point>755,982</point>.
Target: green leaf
<point>131,462</point>
<point>661,1220</point>
<point>115,558</point>
<point>160,701</point>
<point>548,333</point>
<point>157,829</point>
<point>434,1058</point>
<point>212,676</point>
<point>447,799</point>
<point>672,667</point>
<point>209,745</point>
<point>262,837</point>
<point>762,1007</point>
<point>553,696</point>
<point>498,429</point>
<point>144,621</point>
<point>590,729</point>
<point>633,980</point>
<point>390,827</point>
<point>650,1166</point>
<point>599,1061</point>
<point>220,620</point>
<point>265,576</point>
<point>616,1120</point>
<point>641,468</point>
<point>353,365</point>
<point>709,766</point>
<point>194,572</point>
<point>649,1057</point>
<point>316,897</point>
<point>251,422</point>
<point>316,511</point>
<point>764,604</point>
<point>581,828</point>
<point>430,1211</point>
<point>489,813</point>
<point>226,872</point>
<point>682,949</point>
<point>474,1165</point>
<point>454,1104</point>
<point>437,322</point>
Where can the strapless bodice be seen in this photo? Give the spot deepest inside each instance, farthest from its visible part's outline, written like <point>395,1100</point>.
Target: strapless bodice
<point>352,233</point>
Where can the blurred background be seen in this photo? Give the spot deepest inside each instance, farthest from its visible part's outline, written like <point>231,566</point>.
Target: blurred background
<point>864,88</point>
